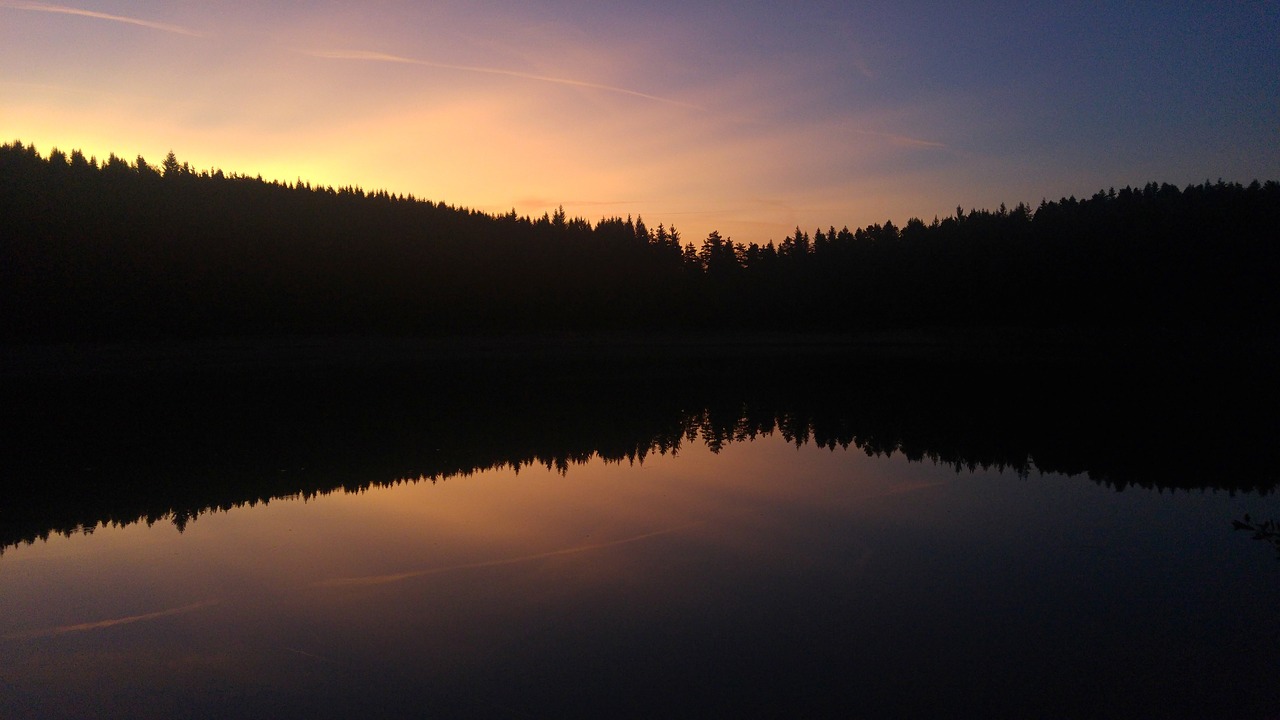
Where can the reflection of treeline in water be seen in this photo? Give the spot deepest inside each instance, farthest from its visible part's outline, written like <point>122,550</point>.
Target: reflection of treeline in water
<point>116,249</point>
<point>119,449</point>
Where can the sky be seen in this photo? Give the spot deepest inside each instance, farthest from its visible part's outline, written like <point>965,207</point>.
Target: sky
<point>749,118</point>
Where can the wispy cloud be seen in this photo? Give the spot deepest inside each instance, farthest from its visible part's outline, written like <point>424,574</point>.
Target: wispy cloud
<point>64,10</point>
<point>99,624</point>
<point>397,577</point>
<point>386,58</point>
<point>902,139</point>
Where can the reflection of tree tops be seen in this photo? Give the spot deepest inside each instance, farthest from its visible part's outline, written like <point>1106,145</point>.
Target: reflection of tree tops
<point>221,444</point>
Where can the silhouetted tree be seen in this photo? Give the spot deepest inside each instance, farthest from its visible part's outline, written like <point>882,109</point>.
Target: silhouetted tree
<point>102,250</point>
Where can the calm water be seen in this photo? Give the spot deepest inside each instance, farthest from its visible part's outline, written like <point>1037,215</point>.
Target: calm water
<point>774,576</point>
<point>767,578</point>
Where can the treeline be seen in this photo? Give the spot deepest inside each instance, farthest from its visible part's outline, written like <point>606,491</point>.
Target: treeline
<point>146,446</point>
<point>119,249</point>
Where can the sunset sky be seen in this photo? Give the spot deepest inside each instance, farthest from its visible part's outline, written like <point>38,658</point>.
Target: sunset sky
<point>746,117</point>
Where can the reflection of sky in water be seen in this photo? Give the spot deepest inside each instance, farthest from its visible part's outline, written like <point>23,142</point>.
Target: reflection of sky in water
<point>764,576</point>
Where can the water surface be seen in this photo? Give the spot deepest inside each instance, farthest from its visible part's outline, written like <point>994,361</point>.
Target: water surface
<point>773,555</point>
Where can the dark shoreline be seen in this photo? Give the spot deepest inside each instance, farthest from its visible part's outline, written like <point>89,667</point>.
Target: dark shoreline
<point>991,346</point>
<point>121,433</point>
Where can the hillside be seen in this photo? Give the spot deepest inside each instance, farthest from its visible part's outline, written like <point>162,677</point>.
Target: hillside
<point>120,250</point>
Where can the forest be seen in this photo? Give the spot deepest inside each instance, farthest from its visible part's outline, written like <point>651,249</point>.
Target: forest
<point>114,250</point>
<point>116,448</point>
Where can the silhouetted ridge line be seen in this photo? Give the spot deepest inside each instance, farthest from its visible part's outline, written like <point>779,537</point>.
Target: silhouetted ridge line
<point>127,250</point>
<point>93,451</point>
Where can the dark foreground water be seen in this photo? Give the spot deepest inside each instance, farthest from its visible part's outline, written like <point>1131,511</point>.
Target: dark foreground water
<point>775,559</point>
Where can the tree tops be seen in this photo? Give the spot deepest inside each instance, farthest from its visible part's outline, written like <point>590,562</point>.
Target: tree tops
<point>118,249</point>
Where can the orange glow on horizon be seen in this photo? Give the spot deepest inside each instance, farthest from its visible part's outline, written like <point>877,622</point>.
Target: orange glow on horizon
<point>724,126</point>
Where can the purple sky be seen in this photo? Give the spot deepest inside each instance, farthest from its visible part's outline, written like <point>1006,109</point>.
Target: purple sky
<point>746,117</point>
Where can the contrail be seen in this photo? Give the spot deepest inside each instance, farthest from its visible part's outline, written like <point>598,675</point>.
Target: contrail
<point>397,577</point>
<point>902,139</point>
<point>81,627</point>
<point>384,57</point>
<point>64,10</point>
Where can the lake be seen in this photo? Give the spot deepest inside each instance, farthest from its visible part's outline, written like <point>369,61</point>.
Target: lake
<point>578,537</point>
